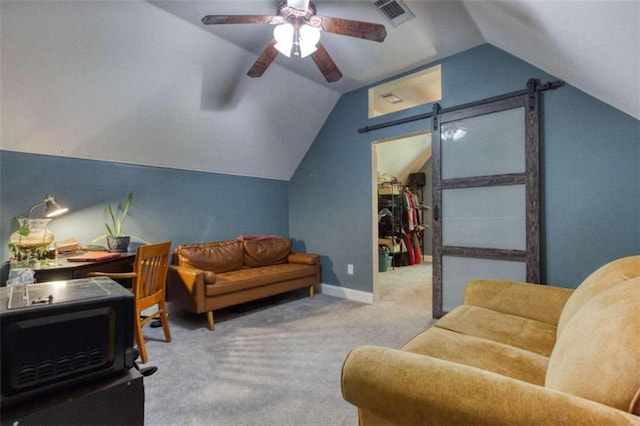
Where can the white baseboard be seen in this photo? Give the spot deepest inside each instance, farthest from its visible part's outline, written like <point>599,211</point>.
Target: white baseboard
<point>346,293</point>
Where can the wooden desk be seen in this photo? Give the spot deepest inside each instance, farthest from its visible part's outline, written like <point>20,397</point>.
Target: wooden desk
<point>64,270</point>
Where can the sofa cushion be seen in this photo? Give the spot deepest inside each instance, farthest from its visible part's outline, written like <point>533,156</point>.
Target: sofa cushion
<point>603,278</point>
<point>597,356</point>
<point>481,353</point>
<point>523,333</point>
<point>220,256</point>
<point>266,252</point>
<point>254,277</point>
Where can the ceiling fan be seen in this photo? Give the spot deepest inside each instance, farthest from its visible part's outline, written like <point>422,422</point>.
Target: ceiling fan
<point>297,33</point>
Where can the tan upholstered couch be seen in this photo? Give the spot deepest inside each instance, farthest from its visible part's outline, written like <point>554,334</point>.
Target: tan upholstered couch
<point>513,353</point>
<point>215,275</point>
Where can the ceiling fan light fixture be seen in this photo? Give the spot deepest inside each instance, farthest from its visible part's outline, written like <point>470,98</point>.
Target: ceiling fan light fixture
<point>283,34</point>
<point>298,4</point>
<point>292,36</point>
<point>308,38</point>
<point>302,42</point>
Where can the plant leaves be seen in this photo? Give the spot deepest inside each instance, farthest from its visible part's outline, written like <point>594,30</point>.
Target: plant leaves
<point>113,219</point>
<point>133,237</point>
<point>117,222</point>
<point>126,210</point>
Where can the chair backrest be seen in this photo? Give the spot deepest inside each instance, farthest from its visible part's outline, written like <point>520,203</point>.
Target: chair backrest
<point>151,266</point>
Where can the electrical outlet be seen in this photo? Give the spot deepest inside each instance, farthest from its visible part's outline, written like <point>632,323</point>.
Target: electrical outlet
<point>350,269</point>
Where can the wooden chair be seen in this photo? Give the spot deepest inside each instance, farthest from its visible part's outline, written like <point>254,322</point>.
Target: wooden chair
<point>149,279</point>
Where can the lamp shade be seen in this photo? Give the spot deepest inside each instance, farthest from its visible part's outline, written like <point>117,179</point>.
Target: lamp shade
<point>301,41</point>
<point>283,34</point>
<point>308,39</point>
<point>52,208</point>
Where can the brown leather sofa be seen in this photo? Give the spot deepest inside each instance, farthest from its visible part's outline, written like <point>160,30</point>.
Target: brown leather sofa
<point>215,275</point>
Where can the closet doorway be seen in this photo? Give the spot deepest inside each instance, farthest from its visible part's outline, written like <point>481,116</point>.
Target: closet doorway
<point>402,235</point>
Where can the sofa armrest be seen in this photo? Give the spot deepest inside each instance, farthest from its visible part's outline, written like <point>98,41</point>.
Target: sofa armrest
<point>186,286</point>
<point>533,301</point>
<point>304,258</point>
<point>403,388</point>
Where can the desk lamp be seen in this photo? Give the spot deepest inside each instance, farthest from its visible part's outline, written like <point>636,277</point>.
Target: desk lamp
<point>52,209</point>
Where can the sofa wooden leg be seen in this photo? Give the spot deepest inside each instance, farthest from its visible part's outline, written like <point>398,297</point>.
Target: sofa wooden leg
<point>312,291</point>
<point>212,326</point>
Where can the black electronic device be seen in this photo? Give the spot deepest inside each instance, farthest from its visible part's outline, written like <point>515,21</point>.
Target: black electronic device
<point>62,333</point>
<point>417,179</point>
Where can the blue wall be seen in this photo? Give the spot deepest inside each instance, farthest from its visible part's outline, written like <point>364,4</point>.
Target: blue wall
<point>590,172</point>
<point>176,205</point>
<point>591,183</point>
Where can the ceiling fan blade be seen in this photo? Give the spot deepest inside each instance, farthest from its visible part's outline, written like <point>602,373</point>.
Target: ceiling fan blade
<point>327,67</point>
<point>264,60</point>
<point>364,30</point>
<point>242,19</point>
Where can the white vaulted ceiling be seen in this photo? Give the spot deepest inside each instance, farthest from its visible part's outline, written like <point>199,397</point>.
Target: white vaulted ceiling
<point>145,82</point>
<point>592,44</point>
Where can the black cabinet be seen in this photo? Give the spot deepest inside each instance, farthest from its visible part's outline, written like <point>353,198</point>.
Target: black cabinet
<point>117,400</point>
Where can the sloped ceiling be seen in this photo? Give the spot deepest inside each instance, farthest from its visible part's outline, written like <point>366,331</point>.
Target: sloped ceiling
<point>440,28</point>
<point>145,82</point>
<point>593,45</point>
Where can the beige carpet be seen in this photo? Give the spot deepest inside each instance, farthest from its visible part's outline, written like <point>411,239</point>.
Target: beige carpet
<point>408,286</point>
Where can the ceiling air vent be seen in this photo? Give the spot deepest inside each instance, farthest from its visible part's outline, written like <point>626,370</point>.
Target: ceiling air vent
<point>392,98</point>
<point>394,10</point>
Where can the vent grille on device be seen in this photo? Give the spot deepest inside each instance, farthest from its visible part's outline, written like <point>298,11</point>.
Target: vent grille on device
<point>62,366</point>
<point>394,10</point>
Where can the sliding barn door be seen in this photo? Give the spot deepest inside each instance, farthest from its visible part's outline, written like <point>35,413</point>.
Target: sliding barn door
<point>485,196</point>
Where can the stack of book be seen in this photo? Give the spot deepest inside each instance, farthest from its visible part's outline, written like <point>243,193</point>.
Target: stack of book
<point>67,246</point>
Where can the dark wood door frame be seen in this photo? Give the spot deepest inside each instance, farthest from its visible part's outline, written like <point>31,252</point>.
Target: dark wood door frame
<point>530,101</point>
<point>532,97</point>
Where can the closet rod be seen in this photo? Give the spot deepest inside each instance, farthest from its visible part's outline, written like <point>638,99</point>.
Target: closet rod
<point>538,88</point>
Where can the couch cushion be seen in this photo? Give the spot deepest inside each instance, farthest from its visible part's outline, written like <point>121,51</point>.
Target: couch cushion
<point>603,278</point>
<point>220,256</point>
<point>481,353</point>
<point>597,356</point>
<point>266,252</point>
<point>530,335</point>
<point>258,276</point>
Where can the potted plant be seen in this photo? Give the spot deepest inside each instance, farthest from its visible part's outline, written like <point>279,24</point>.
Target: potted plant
<point>116,240</point>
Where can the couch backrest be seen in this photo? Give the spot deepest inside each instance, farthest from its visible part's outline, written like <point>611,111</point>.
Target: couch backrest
<point>266,252</point>
<point>597,355</point>
<point>218,257</point>
<point>603,278</point>
<point>231,255</point>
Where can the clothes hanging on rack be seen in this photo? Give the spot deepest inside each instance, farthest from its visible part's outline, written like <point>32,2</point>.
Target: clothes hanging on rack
<point>413,211</point>
<point>400,223</point>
